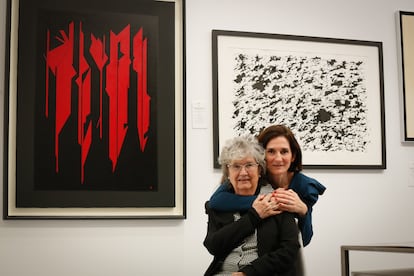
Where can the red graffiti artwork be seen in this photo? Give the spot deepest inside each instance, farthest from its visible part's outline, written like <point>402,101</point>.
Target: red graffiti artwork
<point>115,66</point>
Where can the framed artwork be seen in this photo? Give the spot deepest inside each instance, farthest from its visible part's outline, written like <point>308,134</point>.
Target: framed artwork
<point>328,91</point>
<point>94,110</point>
<point>406,20</point>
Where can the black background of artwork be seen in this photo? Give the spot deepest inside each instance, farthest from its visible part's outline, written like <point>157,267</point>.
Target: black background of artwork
<point>129,186</point>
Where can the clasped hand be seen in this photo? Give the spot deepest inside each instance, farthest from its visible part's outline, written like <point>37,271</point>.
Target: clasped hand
<point>278,201</point>
<point>266,206</point>
<point>289,201</point>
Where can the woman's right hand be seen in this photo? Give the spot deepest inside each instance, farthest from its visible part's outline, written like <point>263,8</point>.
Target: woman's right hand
<point>266,206</point>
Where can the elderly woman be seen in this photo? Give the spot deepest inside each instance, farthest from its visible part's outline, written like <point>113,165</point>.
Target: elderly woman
<point>253,242</point>
<point>295,192</point>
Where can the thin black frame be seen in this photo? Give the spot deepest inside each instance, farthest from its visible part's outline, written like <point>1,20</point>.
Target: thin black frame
<point>176,210</point>
<point>225,42</point>
<point>406,25</point>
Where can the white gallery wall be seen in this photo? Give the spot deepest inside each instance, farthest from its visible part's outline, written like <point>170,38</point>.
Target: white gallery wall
<point>359,206</point>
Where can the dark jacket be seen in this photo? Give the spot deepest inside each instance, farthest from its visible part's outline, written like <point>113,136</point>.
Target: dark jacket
<point>277,241</point>
<point>306,187</point>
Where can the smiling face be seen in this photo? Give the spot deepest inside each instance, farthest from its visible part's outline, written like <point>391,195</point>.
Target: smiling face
<point>278,156</point>
<point>244,175</point>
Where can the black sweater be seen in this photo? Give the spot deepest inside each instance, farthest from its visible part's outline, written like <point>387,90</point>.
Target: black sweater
<point>277,241</point>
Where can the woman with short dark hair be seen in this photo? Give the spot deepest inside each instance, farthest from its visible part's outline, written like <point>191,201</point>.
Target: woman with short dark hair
<point>294,191</point>
<point>253,241</point>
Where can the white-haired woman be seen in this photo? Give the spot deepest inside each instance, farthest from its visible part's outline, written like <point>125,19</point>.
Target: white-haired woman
<point>252,242</point>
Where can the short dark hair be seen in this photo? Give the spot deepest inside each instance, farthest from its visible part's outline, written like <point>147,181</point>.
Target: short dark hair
<point>274,131</point>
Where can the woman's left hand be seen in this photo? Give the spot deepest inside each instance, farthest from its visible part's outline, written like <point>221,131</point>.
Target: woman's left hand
<point>238,274</point>
<point>266,206</point>
<point>290,201</point>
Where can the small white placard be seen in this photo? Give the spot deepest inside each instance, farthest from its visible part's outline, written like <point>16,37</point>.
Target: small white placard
<point>411,174</point>
<point>199,114</point>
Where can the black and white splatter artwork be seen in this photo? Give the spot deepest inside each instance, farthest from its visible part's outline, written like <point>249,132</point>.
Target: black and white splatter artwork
<point>323,100</point>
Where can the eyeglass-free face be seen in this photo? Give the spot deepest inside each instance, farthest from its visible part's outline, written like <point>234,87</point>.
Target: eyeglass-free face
<point>279,156</point>
<point>244,175</point>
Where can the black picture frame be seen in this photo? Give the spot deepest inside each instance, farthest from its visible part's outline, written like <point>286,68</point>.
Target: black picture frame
<point>406,28</point>
<point>94,110</point>
<point>312,85</point>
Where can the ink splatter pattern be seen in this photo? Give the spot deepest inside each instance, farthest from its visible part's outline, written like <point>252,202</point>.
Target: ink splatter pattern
<point>323,100</point>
